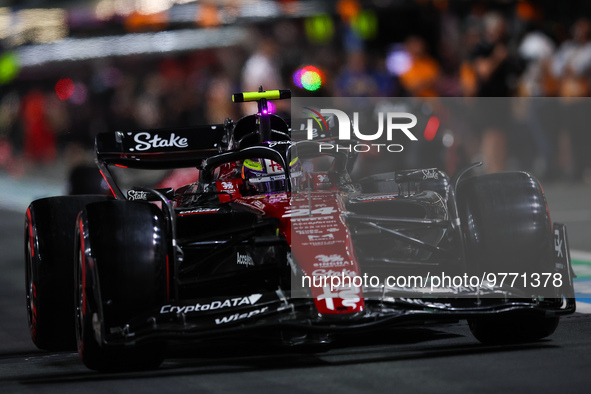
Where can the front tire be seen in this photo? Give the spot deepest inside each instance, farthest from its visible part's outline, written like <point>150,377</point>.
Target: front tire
<point>121,273</point>
<point>507,228</point>
<point>512,328</point>
<point>506,223</point>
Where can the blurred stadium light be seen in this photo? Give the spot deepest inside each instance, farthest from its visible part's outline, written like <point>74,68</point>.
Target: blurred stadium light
<point>129,44</point>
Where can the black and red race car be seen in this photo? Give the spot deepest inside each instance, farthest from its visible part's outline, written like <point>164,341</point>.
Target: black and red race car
<point>255,247</point>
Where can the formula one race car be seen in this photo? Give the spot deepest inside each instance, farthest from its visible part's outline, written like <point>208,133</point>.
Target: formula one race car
<point>276,240</point>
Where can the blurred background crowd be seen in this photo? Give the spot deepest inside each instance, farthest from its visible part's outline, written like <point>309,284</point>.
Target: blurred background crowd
<point>69,70</point>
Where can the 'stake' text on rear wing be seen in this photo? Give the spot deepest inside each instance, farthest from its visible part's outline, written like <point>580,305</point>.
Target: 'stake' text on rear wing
<point>160,149</point>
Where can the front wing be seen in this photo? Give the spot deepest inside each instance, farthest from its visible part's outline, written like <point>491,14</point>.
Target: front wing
<point>219,318</point>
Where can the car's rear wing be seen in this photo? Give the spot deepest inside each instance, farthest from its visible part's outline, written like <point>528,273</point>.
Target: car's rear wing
<point>160,149</point>
<point>157,149</point>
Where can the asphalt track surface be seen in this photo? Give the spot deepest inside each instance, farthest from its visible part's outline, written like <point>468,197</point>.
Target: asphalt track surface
<point>443,358</point>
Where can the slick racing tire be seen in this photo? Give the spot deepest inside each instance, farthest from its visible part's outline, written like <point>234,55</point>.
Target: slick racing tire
<point>506,225</point>
<point>512,328</point>
<point>121,274</point>
<point>49,268</point>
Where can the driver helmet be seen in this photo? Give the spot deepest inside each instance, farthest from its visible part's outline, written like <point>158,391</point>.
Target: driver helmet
<point>267,176</point>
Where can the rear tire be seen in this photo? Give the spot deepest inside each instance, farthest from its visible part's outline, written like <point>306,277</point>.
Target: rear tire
<point>127,245</point>
<point>49,267</point>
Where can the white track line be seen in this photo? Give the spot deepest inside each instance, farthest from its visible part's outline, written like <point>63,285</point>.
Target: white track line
<point>580,255</point>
